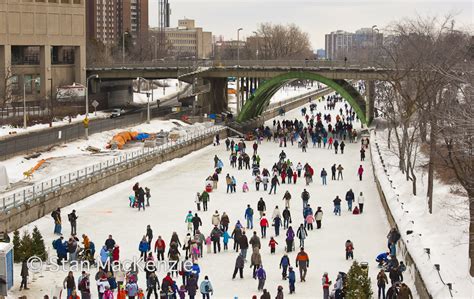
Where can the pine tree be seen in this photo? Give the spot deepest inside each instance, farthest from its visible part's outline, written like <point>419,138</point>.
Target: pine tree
<point>26,246</point>
<point>39,249</point>
<point>358,283</point>
<point>17,256</point>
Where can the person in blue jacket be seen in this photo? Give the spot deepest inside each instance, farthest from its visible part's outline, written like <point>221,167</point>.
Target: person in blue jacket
<point>143,247</point>
<point>104,255</point>
<point>382,258</point>
<point>291,280</point>
<point>249,217</point>
<point>61,249</point>
<point>195,271</point>
<point>226,237</point>
<point>284,264</point>
<point>206,288</point>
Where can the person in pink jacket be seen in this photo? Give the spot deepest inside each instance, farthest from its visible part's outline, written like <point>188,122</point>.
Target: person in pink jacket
<point>309,221</point>
<point>360,172</point>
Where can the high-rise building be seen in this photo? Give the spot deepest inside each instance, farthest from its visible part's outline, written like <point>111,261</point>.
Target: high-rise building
<point>188,40</point>
<point>42,48</point>
<point>102,20</point>
<point>338,44</point>
<point>108,20</point>
<point>359,46</point>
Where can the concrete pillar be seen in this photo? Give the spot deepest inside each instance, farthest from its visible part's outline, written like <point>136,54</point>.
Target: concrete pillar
<point>80,65</point>
<point>5,63</point>
<point>214,101</point>
<point>247,88</point>
<point>45,70</point>
<point>370,100</point>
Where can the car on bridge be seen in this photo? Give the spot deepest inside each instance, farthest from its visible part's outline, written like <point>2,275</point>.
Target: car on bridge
<point>116,113</point>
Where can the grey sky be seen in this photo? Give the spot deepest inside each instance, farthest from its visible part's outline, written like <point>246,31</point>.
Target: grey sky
<point>317,17</point>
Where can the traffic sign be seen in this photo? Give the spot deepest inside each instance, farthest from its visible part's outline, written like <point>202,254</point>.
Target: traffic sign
<point>95,104</point>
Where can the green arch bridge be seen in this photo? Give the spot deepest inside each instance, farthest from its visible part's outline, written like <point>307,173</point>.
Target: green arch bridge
<point>259,101</point>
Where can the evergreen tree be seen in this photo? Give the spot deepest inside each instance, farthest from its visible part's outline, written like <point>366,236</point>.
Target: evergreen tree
<point>17,256</point>
<point>39,249</point>
<point>26,246</point>
<point>358,283</point>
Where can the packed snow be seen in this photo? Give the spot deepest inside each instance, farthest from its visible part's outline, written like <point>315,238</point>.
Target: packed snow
<point>173,189</point>
<point>445,232</point>
<point>168,90</point>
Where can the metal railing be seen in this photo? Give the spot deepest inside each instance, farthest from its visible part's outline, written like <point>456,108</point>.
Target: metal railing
<point>43,188</point>
<point>237,64</point>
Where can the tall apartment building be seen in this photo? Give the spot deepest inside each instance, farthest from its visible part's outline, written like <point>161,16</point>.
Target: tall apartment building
<point>42,46</point>
<point>338,44</point>
<point>107,20</point>
<point>361,45</point>
<point>188,40</point>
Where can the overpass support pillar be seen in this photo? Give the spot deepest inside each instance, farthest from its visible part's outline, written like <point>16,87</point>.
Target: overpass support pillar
<point>5,64</point>
<point>247,88</point>
<point>214,101</point>
<point>370,100</point>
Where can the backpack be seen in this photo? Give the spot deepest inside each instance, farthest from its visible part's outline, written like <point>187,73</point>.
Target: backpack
<point>207,289</point>
<point>69,216</point>
<point>54,244</point>
<point>251,212</point>
<point>82,285</point>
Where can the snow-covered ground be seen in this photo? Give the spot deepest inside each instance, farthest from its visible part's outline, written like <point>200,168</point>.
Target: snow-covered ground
<point>445,232</point>
<point>6,130</point>
<point>173,187</point>
<point>75,155</point>
<point>169,90</point>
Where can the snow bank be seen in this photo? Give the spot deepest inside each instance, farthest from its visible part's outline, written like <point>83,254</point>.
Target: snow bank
<point>444,232</point>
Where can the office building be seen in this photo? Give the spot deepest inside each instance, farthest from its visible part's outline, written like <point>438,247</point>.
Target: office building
<point>187,40</point>
<point>42,47</point>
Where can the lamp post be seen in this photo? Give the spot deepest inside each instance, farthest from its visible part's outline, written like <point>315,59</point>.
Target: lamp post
<point>123,46</point>
<point>256,41</point>
<point>374,40</point>
<point>238,63</point>
<point>86,119</point>
<point>24,100</point>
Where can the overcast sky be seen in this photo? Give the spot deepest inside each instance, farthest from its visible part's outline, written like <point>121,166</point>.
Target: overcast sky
<point>317,17</point>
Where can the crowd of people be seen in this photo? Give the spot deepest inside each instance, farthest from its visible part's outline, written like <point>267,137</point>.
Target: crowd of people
<point>249,233</point>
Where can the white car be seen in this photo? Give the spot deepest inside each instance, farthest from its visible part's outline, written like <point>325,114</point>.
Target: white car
<point>116,113</point>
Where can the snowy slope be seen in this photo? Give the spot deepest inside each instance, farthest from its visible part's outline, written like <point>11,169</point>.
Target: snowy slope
<point>445,232</point>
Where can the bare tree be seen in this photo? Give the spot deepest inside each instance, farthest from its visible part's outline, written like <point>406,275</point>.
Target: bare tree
<point>456,131</point>
<point>421,47</point>
<point>9,94</point>
<point>283,42</point>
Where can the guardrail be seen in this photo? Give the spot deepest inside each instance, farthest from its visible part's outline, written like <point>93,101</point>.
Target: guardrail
<point>237,63</point>
<point>38,190</point>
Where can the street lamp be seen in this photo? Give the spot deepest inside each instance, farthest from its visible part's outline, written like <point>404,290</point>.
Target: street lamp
<point>238,63</point>
<point>123,46</point>
<point>256,41</point>
<point>24,99</point>
<point>238,45</point>
<point>147,96</point>
<point>86,119</point>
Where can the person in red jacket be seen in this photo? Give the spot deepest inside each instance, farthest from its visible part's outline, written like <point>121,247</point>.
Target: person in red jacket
<point>115,254</point>
<point>295,176</point>
<point>263,225</point>
<point>272,245</point>
<point>326,283</point>
<point>160,249</point>
<point>360,171</point>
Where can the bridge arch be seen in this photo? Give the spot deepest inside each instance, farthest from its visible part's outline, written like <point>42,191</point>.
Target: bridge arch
<point>260,100</point>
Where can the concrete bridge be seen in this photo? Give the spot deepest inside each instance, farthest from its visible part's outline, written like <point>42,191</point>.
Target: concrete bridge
<point>258,80</point>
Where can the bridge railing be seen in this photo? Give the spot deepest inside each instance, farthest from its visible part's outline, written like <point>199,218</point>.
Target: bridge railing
<point>35,192</point>
<point>189,64</point>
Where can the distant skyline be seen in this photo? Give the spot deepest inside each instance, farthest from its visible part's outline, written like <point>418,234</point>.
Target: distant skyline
<point>316,17</point>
